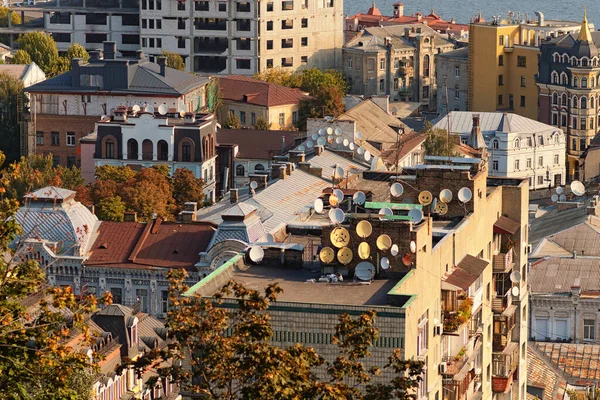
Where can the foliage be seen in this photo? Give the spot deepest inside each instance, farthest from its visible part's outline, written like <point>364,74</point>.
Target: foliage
<point>235,357</point>
<point>438,143</point>
<point>314,79</point>
<point>41,48</point>
<point>186,187</point>
<point>460,354</point>
<point>117,174</point>
<point>592,393</point>
<point>233,122</point>
<point>111,209</point>
<point>77,51</point>
<point>148,193</point>
<point>11,89</point>
<point>15,17</point>
<point>262,124</point>
<point>213,96</point>
<point>21,57</point>
<point>174,60</point>
<point>38,359</point>
<point>280,76</point>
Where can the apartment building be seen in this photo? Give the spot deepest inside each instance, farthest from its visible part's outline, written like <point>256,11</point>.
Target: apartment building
<point>503,62</point>
<point>244,37</point>
<point>451,70</point>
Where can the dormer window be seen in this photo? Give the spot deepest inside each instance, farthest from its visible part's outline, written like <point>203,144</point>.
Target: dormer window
<point>134,333</point>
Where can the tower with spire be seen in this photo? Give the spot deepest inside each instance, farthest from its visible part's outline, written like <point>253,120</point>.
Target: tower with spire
<point>584,33</point>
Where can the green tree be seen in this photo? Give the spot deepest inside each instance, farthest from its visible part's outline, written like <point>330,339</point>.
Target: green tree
<point>15,17</point>
<point>280,76</point>
<point>213,96</point>
<point>21,57</point>
<point>438,142</point>
<point>111,209</point>
<point>77,51</point>
<point>314,80</point>
<point>119,174</point>
<point>11,89</point>
<point>174,60</point>
<point>262,124</point>
<point>41,48</point>
<point>233,122</point>
<point>236,359</point>
<point>186,187</point>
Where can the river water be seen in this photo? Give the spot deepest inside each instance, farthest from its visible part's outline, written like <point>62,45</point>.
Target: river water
<point>463,10</point>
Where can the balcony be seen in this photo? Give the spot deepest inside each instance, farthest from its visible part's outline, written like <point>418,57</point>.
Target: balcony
<point>503,262</point>
<point>503,327</point>
<point>502,302</point>
<point>504,365</point>
<point>457,316</point>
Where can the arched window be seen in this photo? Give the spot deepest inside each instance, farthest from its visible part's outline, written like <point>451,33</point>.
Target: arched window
<point>554,77</point>
<point>564,99</point>
<point>240,170</point>
<point>564,79</point>
<point>584,62</point>
<point>574,101</point>
<point>583,102</point>
<point>426,65</point>
<point>495,144</point>
<point>517,143</point>
<point>259,167</point>
<point>554,98</point>
<point>584,82</point>
<point>555,57</point>
<point>565,58</point>
<point>109,148</point>
<point>592,102</point>
<point>575,82</point>
<point>186,152</point>
<point>132,149</point>
<point>163,150</point>
<point>147,150</point>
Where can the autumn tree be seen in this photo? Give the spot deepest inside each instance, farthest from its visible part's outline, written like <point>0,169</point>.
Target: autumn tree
<point>262,124</point>
<point>438,142</point>
<point>77,51</point>
<point>11,89</point>
<point>233,122</point>
<point>280,76</point>
<point>15,19</point>
<point>174,60</point>
<point>41,48</point>
<point>234,357</point>
<point>186,187</point>
<point>148,193</point>
<point>21,57</point>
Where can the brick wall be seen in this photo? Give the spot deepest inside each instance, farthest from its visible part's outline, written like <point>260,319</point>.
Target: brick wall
<point>80,125</point>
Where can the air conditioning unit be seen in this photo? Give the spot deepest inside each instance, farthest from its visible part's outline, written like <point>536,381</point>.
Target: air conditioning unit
<point>438,329</point>
<point>443,367</point>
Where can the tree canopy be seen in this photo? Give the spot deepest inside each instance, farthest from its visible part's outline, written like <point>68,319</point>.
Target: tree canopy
<point>77,51</point>
<point>21,57</point>
<point>11,88</point>
<point>438,143</point>
<point>41,48</point>
<point>15,17</point>
<point>174,60</point>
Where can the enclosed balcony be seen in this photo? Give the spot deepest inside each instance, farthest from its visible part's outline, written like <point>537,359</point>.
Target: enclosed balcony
<point>503,262</point>
<point>504,365</point>
<point>457,310</point>
<point>503,327</point>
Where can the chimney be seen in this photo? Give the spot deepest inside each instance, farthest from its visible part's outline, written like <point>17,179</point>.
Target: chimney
<point>278,171</point>
<point>189,118</point>
<point>120,114</point>
<point>282,144</point>
<point>406,33</point>
<point>139,54</point>
<point>190,206</point>
<point>95,55</point>
<point>398,10</point>
<point>318,150</point>
<point>187,216</point>
<point>233,193</point>
<point>304,166</point>
<point>476,139</point>
<point>419,17</point>
<point>289,168</point>
<point>130,217</point>
<point>76,62</point>
<point>260,179</point>
<point>110,50</point>
<point>162,63</point>
<point>297,156</point>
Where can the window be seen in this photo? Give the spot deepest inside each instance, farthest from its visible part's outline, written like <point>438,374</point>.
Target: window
<point>287,5</point>
<point>582,144</point>
<point>423,333</point>
<point>517,165</point>
<point>521,61</point>
<point>528,163</point>
<point>499,99</point>
<point>144,23</point>
<point>583,123</point>
<point>259,167</point>
<point>563,120</point>
<point>517,143</point>
<point>294,117</point>
<point>55,139</point>
<point>584,82</point>
<point>141,295</point>
<point>243,117</point>
<point>240,170</point>
<point>554,119</point>
<point>70,138</point>
<point>269,45</point>
<point>180,21</point>
<point>500,80</point>
<point>382,64</point>
<point>222,7</point>
<point>371,64</point>
<point>242,7</point>
<point>55,161</point>
<point>117,294</point>
<point>253,118</point>
<point>242,64</point>
<point>589,329</point>
<point>304,41</point>
<point>584,102</point>
<point>591,122</point>
<point>381,85</point>
<point>269,6</point>
<point>186,152</point>
<point>425,92</point>
<point>287,24</point>
<point>270,63</point>
<point>282,119</point>
<point>304,60</point>
<point>554,98</point>
<point>130,39</point>
<point>522,101</point>
<point>39,138</point>
<point>110,148</point>
<point>541,140</point>
<point>522,81</point>
<point>287,62</point>
<point>574,123</point>
<point>540,161</point>
<point>556,159</point>
<point>164,301</point>
<point>158,5</point>
<point>501,40</point>
<point>181,42</point>
<point>269,25</point>
<point>180,5</point>
<point>287,43</point>
<point>495,144</point>
<point>501,57</point>
<point>426,65</point>
<point>200,5</point>
<point>456,94</point>
<point>540,179</point>
<point>495,165</point>
<point>304,23</point>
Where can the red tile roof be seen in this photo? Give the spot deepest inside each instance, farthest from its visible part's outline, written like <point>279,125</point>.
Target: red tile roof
<point>255,144</point>
<point>432,20</point>
<point>406,145</point>
<point>245,89</point>
<point>155,244</point>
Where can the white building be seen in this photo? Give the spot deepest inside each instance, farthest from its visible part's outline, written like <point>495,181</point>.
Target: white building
<point>518,147</point>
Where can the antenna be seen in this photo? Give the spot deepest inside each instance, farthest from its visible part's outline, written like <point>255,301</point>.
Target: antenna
<point>384,242</point>
<point>346,142</point>
<point>364,250</point>
<point>465,195</point>
<point>345,255</point>
<point>339,194</point>
<point>446,196</point>
<point>333,201</point>
<point>256,254</point>
<point>384,213</point>
<point>384,263</point>
<point>359,198</point>
<point>415,215</point>
<point>351,146</point>
<point>318,206</point>
<point>577,188</point>
<point>340,237</point>
<point>396,189</point>
<point>515,291</point>
<point>425,197</point>
<point>365,271</point>
<point>326,255</point>
<point>413,246</point>
<point>394,250</point>
<point>364,229</point>
<point>162,109</point>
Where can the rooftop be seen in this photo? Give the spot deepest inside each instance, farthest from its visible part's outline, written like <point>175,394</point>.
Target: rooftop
<point>15,70</point>
<point>374,38</point>
<point>542,379</point>
<point>578,361</point>
<point>462,53</point>
<point>559,274</point>
<point>583,239</point>
<point>461,122</point>
<point>554,221</point>
<point>245,89</point>
<point>257,144</point>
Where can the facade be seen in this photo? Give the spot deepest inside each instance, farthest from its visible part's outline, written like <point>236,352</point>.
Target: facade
<point>250,99</point>
<point>465,266</point>
<point>143,139</point>
<point>397,60</point>
<point>569,90</point>
<point>66,108</point>
<point>517,146</point>
<point>452,72</point>
<point>503,63</point>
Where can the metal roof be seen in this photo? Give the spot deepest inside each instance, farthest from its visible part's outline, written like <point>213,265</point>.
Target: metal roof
<point>50,193</point>
<point>461,122</point>
<point>506,225</point>
<point>558,275</point>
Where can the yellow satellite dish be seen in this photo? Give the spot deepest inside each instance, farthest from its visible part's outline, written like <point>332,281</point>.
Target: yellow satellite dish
<point>384,242</point>
<point>364,250</point>
<point>345,255</point>
<point>425,197</point>
<point>333,200</point>
<point>364,229</point>
<point>326,255</point>
<point>441,208</point>
<point>340,237</point>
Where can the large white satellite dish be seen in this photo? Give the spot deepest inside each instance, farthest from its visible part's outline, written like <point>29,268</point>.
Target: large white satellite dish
<point>515,276</point>
<point>336,216</point>
<point>394,250</point>
<point>415,215</point>
<point>256,254</point>
<point>162,109</point>
<point>339,194</point>
<point>465,195</point>
<point>365,271</point>
<point>385,212</point>
<point>318,206</point>
<point>367,155</point>
<point>515,291</point>
<point>577,188</point>
<point>364,228</point>
<point>446,196</point>
<point>135,108</point>
<point>396,189</point>
<point>253,185</point>
<point>329,131</point>
<point>359,198</point>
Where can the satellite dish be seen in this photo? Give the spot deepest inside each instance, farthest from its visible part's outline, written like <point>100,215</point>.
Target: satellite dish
<point>384,213</point>
<point>340,237</point>
<point>364,250</point>
<point>321,132</point>
<point>554,198</point>
<point>337,131</point>
<point>441,208</point>
<point>515,276</point>
<point>425,197</point>
<point>103,117</point>
<point>415,215</point>
<point>321,141</point>
<point>560,190</point>
<point>407,259</point>
<point>310,144</point>
<point>333,201</point>
<point>301,148</point>
<point>338,216</point>
<point>149,108</point>
<point>346,142</point>
<point>395,110</point>
<point>359,198</point>
<point>384,242</point>
<point>256,254</point>
<point>358,135</point>
<point>433,206</point>
<point>515,291</point>
<point>253,185</point>
<point>326,255</point>
<point>413,247</point>
<point>339,140</point>
<point>135,108</point>
<point>562,197</point>
<point>315,136</point>
<point>351,146</point>
<point>384,263</point>
<point>318,206</point>
<point>329,131</point>
<point>577,188</point>
<point>181,114</point>
<point>465,195</point>
<point>367,155</point>
<point>364,229</point>
<point>396,189</point>
<point>162,109</point>
<point>339,194</point>
<point>365,271</point>
<point>394,250</point>
<point>345,255</point>
<point>360,151</point>
<point>446,196</point>
<point>338,172</point>
<point>329,139</point>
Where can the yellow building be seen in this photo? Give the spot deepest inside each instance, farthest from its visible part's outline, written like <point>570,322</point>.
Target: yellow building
<point>503,63</point>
